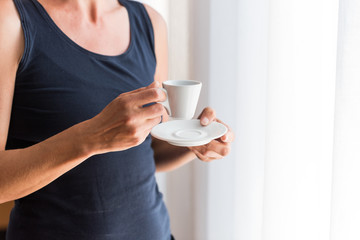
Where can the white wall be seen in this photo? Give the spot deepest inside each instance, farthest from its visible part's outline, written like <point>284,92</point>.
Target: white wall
<point>252,66</point>
<point>214,48</point>
<point>346,175</point>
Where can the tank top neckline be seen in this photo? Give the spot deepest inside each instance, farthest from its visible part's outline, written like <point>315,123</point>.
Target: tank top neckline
<point>72,43</point>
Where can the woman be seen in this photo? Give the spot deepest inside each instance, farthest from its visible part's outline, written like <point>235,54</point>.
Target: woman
<point>74,135</point>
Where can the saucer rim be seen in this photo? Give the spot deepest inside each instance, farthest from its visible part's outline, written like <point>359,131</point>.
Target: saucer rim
<point>189,143</point>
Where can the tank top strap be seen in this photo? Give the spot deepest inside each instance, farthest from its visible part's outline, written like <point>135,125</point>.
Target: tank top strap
<point>140,23</point>
<point>27,12</point>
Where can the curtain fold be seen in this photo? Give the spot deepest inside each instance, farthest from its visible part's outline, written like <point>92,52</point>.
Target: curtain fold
<point>346,174</point>
<point>300,112</point>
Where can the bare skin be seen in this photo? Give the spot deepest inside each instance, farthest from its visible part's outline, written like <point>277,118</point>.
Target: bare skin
<point>24,171</point>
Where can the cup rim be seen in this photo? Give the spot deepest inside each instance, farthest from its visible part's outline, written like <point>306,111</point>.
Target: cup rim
<point>191,83</point>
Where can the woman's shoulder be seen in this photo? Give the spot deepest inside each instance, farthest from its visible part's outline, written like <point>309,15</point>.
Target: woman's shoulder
<point>161,43</point>
<point>157,20</point>
<point>11,33</point>
<point>8,12</point>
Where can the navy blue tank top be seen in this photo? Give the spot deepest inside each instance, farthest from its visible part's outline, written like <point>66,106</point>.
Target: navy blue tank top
<point>111,196</point>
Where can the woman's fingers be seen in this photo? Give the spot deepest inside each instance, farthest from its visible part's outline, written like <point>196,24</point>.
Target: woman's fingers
<point>153,111</point>
<point>229,136</point>
<point>200,156</point>
<point>207,116</point>
<point>218,148</point>
<point>211,151</point>
<point>125,122</point>
<point>150,123</point>
<point>207,158</point>
<point>147,96</point>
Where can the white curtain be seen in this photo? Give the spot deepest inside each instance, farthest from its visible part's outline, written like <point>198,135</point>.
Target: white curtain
<point>345,220</point>
<point>299,123</point>
<point>285,74</point>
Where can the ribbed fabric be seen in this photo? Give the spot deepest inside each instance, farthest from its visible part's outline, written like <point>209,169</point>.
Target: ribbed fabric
<point>111,196</point>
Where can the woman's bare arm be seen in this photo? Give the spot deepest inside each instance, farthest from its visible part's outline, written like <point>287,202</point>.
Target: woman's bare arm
<point>11,49</point>
<point>25,170</point>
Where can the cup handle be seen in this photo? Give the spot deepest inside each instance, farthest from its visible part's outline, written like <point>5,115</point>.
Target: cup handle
<point>166,102</point>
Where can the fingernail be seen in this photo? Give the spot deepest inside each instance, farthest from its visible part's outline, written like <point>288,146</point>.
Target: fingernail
<point>212,155</point>
<point>204,121</point>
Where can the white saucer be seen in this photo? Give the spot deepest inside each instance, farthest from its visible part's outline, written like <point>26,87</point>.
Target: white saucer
<point>188,133</point>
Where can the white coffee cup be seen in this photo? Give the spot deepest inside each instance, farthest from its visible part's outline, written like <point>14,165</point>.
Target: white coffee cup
<point>182,98</point>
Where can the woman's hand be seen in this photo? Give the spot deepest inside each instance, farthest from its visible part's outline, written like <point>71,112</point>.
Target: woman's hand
<point>218,148</point>
<point>125,123</point>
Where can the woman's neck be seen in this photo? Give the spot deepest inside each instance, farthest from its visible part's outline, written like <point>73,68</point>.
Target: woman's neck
<point>92,10</point>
